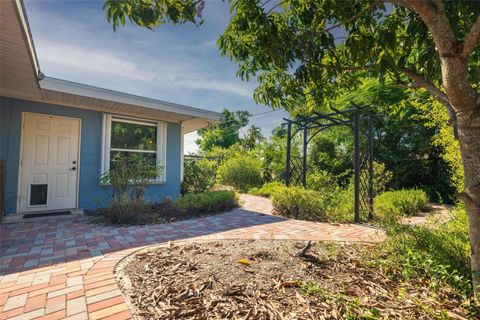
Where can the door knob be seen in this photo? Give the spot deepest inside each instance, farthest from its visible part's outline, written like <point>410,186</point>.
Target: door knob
<point>73,168</point>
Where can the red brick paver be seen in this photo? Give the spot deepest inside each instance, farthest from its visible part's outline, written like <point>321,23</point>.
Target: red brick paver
<point>60,268</point>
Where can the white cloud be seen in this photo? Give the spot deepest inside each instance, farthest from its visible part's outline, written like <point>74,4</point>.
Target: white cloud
<point>94,61</point>
<point>180,64</point>
<point>91,61</point>
<point>209,84</point>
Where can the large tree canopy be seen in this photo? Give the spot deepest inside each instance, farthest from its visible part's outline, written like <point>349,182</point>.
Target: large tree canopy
<point>294,49</point>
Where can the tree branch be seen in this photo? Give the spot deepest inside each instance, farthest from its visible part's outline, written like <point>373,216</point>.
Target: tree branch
<point>344,68</point>
<point>472,39</point>
<point>422,82</point>
<point>434,17</point>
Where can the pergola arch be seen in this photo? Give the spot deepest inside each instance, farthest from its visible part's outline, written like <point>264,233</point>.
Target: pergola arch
<point>318,122</point>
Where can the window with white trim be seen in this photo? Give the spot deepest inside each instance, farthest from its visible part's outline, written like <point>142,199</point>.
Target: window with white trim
<point>126,137</point>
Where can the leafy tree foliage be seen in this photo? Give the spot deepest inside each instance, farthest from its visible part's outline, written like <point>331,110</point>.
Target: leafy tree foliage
<point>273,155</point>
<point>433,115</point>
<point>225,134</point>
<point>406,140</point>
<point>292,48</point>
<point>253,137</point>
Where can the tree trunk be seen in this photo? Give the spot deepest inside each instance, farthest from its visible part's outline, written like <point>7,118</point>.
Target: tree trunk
<point>464,100</point>
<point>469,139</point>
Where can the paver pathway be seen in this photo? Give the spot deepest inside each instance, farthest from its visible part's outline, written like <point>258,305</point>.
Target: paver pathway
<point>60,268</point>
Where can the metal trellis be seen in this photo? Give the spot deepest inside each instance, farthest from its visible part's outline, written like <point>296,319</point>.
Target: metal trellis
<point>309,127</point>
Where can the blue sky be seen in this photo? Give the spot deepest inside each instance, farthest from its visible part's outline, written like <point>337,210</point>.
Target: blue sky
<point>181,64</point>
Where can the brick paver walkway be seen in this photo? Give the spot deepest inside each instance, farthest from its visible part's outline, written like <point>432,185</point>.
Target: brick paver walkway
<point>60,268</point>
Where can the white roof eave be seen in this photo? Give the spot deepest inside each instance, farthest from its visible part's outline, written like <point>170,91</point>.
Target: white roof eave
<point>28,35</point>
<point>84,90</point>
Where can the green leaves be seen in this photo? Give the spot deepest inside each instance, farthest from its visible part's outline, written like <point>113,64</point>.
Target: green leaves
<point>242,172</point>
<point>302,51</point>
<point>151,13</point>
<point>225,134</point>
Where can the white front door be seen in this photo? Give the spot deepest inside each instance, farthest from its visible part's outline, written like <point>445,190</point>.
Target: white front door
<point>49,163</point>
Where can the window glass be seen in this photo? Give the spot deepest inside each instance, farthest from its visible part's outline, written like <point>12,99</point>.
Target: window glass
<point>132,141</point>
<point>133,136</point>
<point>150,158</point>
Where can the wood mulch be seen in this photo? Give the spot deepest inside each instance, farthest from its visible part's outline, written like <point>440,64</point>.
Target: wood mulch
<point>268,280</point>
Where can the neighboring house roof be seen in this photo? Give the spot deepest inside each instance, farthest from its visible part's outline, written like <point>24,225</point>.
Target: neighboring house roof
<point>20,77</point>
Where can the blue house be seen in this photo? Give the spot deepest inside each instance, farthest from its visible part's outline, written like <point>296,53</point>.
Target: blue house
<point>58,137</point>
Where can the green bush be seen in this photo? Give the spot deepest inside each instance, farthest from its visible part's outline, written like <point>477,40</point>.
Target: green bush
<point>438,252</point>
<point>186,206</point>
<point>311,205</point>
<point>143,213</point>
<point>198,176</point>
<point>321,180</point>
<point>268,189</point>
<point>324,205</point>
<point>128,213</point>
<point>381,177</point>
<point>126,183</point>
<point>208,202</point>
<point>341,207</point>
<point>241,172</point>
<point>128,178</point>
<point>395,204</point>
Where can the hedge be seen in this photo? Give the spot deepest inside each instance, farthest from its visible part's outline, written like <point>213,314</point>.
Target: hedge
<point>208,202</point>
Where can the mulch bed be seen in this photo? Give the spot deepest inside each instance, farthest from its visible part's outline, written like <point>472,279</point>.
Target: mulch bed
<point>267,280</point>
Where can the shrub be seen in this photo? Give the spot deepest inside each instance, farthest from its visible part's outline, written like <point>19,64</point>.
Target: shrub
<point>166,211</point>
<point>395,204</point>
<point>198,176</point>
<point>324,205</point>
<point>381,177</point>
<point>321,180</point>
<point>128,178</point>
<point>311,205</point>
<point>268,189</point>
<point>142,213</point>
<point>127,182</point>
<point>208,202</point>
<point>341,207</point>
<point>129,213</point>
<point>438,252</point>
<point>241,172</point>
<point>184,207</point>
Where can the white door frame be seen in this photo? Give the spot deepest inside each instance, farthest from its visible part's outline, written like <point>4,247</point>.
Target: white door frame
<point>20,197</point>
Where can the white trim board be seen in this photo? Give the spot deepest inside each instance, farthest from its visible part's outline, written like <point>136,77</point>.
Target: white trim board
<point>84,90</point>
<point>161,151</point>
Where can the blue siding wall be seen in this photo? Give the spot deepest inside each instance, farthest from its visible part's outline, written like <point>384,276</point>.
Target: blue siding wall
<point>90,192</point>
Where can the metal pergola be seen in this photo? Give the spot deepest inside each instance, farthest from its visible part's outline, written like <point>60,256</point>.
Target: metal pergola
<point>317,122</point>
